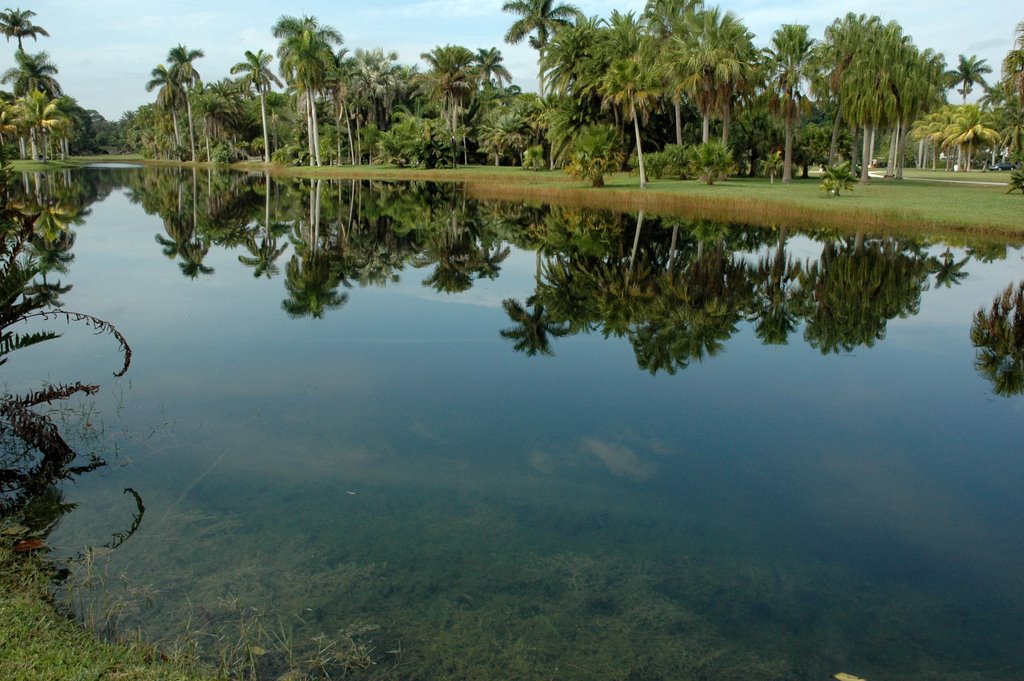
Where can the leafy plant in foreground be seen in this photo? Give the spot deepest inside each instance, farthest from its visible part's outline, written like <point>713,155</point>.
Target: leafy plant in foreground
<point>595,154</point>
<point>1016,182</point>
<point>837,178</point>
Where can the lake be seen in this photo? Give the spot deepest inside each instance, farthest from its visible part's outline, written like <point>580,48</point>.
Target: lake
<point>472,440</point>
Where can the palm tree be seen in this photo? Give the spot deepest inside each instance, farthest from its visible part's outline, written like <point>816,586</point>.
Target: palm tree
<point>970,128</point>
<point>970,71</point>
<point>789,64</point>
<point>258,76</point>
<point>307,57</point>
<point>665,19</point>
<point>40,114</point>
<point>539,18</point>
<point>17,23</point>
<point>711,59</point>
<point>492,70</point>
<point>632,84</point>
<point>34,72</point>
<point>1013,64</point>
<point>169,95</point>
<point>532,328</point>
<point>183,72</point>
<point>452,78</point>
<point>846,41</point>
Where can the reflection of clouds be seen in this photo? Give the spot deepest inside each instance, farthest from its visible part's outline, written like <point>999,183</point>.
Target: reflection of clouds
<point>620,460</point>
<point>541,462</point>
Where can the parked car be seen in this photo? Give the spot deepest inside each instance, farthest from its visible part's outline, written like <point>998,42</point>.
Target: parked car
<point>1005,165</point>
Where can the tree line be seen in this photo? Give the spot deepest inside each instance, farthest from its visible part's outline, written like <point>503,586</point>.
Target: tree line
<point>681,77</point>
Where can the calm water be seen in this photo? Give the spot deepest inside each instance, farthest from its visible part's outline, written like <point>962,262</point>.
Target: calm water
<point>495,441</point>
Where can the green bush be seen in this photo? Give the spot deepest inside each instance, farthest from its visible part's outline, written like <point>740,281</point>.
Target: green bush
<point>680,160</point>
<point>712,161</point>
<point>1016,181</point>
<point>595,154</point>
<point>837,178</point>
<point>533,158</point>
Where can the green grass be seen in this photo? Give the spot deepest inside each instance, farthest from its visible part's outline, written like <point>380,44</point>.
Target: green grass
<point>39,643</point>
<point>911,205</point>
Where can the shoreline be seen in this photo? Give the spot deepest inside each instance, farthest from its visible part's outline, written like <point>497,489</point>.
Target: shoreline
<point>914,206</point>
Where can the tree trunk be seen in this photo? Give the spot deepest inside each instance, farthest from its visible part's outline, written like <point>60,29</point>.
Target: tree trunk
<point>890,166</point>
<point>191,128</point>
<point>705,128</point>
<point>316,129</point>
<point>639,151</point>
<point>864,179</point>
<point>787,167</point>
<point>677,105</point>
<point>309,131</point>
<point>726,121</point>
<point>177,130</point>
<point>266,133</point>
<point>901,150</point>
<point>854,149</point>
<point>835,135</point>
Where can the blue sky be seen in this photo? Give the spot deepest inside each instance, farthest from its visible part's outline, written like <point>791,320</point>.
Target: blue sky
<point>105,49</point>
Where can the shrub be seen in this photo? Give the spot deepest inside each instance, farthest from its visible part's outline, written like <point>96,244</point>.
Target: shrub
<point>837,178</point>
<point>771,166</point>
<point>595,154</point>
<point>533,158</point>
<point>1016,181</point>
<point>712,161</point>
<point>679,160</point>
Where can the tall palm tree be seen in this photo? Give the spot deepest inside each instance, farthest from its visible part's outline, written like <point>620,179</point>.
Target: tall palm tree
<point>258,76</point>
<point>1013,64</point>
<point>307,57</point>
<point>183,72</point>
<point>169,95</point>
<point>665,19</point>
<point>40,114</point>
<point>845,42</point>
<point>17,23</point>
<point>33,72</point>
<point>634,85</point>
<point>710,57</point>
<point>451,79</point>
<point>539,18</point>
<point>492,70</point>
<point>970,128</point>
<point>789,64</point>
<point>970,71</point>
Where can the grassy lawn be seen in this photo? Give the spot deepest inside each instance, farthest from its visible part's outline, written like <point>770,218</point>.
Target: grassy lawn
<point>37,643</point>
<point>913,205</point>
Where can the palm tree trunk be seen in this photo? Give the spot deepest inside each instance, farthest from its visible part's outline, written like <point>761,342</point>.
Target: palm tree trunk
<point>191,129</point>
<point>639,151</point>
<point>309,130</point>
<point>726,121</point>
<point>787,166</point>
<point>901,151</point>
<point>705,128</point>
<point>677,105</point>
<point>32,140</point>
<point>351,147</point>
<point>316,128</point>
<point>266,133</point>
<point>864,166</point>
<point>833,146</point>
<point>890,164</point>
<point>21,146</point>
<point>177,127</point>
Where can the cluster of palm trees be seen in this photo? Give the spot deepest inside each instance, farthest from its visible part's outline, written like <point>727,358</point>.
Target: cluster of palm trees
<point>680,67</point>
<point>36,112</point>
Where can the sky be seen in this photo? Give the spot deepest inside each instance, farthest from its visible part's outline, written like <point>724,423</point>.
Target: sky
<point>105,49</point>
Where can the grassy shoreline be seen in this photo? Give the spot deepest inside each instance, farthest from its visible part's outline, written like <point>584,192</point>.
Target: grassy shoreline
<point>955,206</point>
<point>38,643</point>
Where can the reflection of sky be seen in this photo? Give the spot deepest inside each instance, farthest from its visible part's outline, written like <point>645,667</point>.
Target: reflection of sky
<point>887,458</point>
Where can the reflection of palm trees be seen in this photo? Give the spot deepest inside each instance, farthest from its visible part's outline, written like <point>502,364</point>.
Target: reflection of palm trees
<point>312,287</point>
<point>532,328</point>
<point>998,336</point>
<point>775,314</point>
<point>264,253</point>
<point>849,295</point>
<point>949,272</point>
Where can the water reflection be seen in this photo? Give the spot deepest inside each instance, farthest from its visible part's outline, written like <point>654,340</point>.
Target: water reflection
<point>775,513</point>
